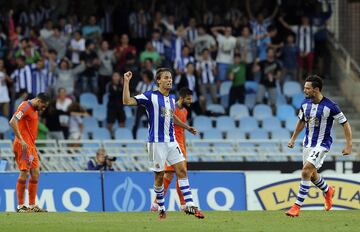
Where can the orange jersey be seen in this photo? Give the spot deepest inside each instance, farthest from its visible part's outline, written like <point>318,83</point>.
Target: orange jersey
<point>179,131</point>
<point>27,118</point>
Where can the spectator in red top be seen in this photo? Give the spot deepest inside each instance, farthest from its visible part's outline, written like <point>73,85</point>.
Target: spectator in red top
<point>123,49</point>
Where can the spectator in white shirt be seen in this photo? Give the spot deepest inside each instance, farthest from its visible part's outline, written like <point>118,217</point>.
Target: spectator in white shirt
<point>77,45</point>
<point>206,69</point>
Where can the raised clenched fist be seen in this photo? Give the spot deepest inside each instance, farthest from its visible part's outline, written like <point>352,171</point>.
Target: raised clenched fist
<point>127,76</point>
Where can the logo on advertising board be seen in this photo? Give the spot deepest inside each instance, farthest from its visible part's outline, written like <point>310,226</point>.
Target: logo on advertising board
<point>123,196</point>
<point>282,195</point>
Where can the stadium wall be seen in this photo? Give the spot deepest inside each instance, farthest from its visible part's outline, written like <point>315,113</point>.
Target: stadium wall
<point>132,191</point>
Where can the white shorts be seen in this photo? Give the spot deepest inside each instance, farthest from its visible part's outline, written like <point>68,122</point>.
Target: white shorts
<point>314,155</point>
<point>159,153</point>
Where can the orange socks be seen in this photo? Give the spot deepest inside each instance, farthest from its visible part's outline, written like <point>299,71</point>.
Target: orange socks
<point>32,191</point>
<point>166,185</point>
<point>20,190</point>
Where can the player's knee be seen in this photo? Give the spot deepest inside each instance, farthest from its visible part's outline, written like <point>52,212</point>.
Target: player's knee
<point>306,172</point>
<point>181,173</point>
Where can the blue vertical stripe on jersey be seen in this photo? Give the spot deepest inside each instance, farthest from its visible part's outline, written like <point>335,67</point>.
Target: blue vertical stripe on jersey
<point>327,140</point>
<point>161,102</point>
<point>307,115</point>
<point>315,136</point>
<point>171,119</point>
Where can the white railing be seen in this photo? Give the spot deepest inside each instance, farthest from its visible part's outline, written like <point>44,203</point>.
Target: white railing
<point>73,155</point>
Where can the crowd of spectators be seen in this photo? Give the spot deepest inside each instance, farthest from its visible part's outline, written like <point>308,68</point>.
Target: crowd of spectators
<point>264,41</point>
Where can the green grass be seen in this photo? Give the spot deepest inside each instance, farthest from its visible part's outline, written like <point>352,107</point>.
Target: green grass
<point>276,221</point>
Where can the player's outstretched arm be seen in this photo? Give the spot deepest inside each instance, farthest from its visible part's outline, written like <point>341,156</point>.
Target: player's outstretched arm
<point>14,125</point>
<point>178,122</point>
<point>299,127</point>
<point>127,100</point>
<point>348,137</point>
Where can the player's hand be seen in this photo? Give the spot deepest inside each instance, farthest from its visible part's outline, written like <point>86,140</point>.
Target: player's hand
<point>24,146</point>
<point>291,143</point>
<point>192,130</point>
<point>128,76</point>
<point>347,150</point>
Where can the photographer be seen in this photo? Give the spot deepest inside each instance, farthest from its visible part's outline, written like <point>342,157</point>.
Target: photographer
<point>101,162</point>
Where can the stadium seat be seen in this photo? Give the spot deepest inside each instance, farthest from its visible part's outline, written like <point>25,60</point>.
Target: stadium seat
<point>280,99</point>
<point>250,100</point>
<point>215,108</point>
<point>235,134</point>
<point>297,100</point>
<point>129,122</point>
<point>251,87</point>
<point>271,123</point>
<point>225,88</point>
<point>238,111</point>
<point>88,100</point>
<point>100,112</point>
<point>291,88</point>
<point>190,136</point>
<point>284,112</point>
<point>259,134</point>
<point>105,99</point>
<point>224,101</point>
<point>202,123</point>
<point>280,134</point>
<point>213,133</point>
<point>142,134</point>
<point>4,124</point>
<point>262,111</point>
<point>101,133</point>
<point>128,112</point>
<point>123,134</point>
<point>248,124</point>
<point>90,122</point>
<point>290,123</point>
<point>224,123</point>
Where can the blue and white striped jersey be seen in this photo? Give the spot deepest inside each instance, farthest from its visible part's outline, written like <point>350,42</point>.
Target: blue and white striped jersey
<point>160,110</point>
<point>319,120</point>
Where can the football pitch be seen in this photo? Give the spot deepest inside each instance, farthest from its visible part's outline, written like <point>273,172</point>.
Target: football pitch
<point>276,221</point>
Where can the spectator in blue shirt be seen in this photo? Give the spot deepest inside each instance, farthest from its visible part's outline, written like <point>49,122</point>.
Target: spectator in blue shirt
<point>101,161</point>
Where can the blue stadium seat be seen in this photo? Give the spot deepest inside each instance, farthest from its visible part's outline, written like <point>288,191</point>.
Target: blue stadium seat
<point>202,123</point>
<point>290,123</point>
<point>297,100</point>
<point>291,88</point>
<point>190,136</point>
<point>101,133</point>
<point>224,123</point>
<point>142,134</point>
<point>4,124</point>
<point>215,108</point>
<point>248,124</point>
<point>301,135</point>
<point>123,134</point>
<point>128,112</point>
<point>251,87</point>
<point>284,112</point>
<point>271,123</point>
<point>238,111</point>
<point>129,122</point>
<point>262,111</point>
<point>280,134</point>
<point>213,133</point>
<point>259,134</point>
<point>224,101</point>
<point>235,134</point>
<point>100,112</point>
<point>90,122</point>
<point>280,99</point>
<point>250,100</point>
<point>105,99</point>
<point>88,100</point>
<point>225,88</point>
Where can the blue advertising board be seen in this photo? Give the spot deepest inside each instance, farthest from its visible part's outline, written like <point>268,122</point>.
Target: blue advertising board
<point>124,191</point>
<point>133,191</point>
<point>76,192</point>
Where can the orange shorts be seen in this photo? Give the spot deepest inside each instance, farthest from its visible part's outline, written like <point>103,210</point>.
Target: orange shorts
<point>26,160</point>
<point>169,168</point>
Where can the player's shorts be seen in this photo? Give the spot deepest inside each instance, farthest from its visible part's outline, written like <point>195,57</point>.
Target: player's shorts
<point>27,159</point>
<point>162,153</point>
<point>314,155</point>
<point>169,168</point>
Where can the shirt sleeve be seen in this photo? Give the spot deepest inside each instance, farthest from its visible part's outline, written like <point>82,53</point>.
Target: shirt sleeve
<point>338,115</point>
<point>143,99</point>
<point>301,114</point>
<point>22,111</point>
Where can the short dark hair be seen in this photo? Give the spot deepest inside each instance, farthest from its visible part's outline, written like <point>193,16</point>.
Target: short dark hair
<point>184,91</point>
<point>316,81</point>
<point>44,97</point>
<point>159,71</point>
<point>149,74</point>
<point>271,28</point>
